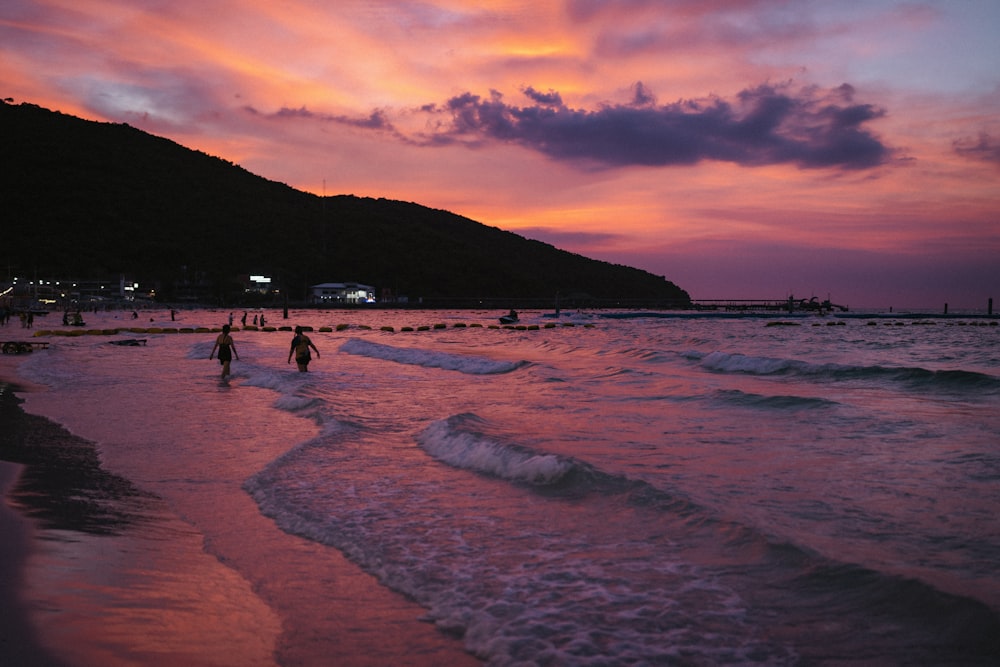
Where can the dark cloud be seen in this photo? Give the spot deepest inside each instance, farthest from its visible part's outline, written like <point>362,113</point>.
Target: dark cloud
<point>376,120</point>
<point>551,98</point>
<point>985,148</point>
<point>770,124</point>
<point>643,96</point>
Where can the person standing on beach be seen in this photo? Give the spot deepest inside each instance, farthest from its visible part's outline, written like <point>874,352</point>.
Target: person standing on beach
<point>227,348</point>
<point>300,348</point>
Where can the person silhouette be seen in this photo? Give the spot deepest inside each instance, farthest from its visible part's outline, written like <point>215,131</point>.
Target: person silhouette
<point>227,348</point>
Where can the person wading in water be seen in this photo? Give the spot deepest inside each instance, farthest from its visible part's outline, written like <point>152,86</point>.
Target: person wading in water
<point>227,348</point>
<point>300,348</point>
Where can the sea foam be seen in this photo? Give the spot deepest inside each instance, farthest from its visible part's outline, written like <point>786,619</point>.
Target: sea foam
<point>473,365</point>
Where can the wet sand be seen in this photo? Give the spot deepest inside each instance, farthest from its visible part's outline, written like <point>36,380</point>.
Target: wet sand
<point>99,572</point>
<point>18,642</point>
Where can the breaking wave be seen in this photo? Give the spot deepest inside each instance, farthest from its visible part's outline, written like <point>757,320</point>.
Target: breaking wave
<point>911,377</point>
<point>469,364</point>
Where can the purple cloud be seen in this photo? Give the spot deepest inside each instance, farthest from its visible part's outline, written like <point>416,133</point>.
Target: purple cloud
<point>376,120</point>
<point>761,126</point>
<point>984,148</point>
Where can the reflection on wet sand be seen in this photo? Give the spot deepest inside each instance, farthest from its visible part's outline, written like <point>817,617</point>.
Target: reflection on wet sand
<point>118,579</point>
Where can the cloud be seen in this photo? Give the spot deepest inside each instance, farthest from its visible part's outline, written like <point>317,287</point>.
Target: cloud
<point>581,10</point>
<point>766,125</point>
<point>984,148</point>
<point>376,120</point>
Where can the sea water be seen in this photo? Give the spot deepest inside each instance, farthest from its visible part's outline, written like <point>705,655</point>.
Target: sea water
<point>591,491</point>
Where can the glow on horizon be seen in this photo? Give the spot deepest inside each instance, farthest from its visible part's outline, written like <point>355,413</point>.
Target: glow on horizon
<point>619,129</point>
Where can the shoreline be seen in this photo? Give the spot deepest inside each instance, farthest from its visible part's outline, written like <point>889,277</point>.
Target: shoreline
<point>19,639</point>
<point>99,572</point>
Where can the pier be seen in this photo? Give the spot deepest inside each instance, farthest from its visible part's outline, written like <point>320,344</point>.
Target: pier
<point>789,305</point>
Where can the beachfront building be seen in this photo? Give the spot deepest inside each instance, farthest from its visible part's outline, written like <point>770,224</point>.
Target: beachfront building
<point>25,294</point>
<point>341,293</point>
<point>256,283</point>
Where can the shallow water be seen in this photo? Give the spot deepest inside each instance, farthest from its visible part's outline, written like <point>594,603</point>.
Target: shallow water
<point>619,491</point>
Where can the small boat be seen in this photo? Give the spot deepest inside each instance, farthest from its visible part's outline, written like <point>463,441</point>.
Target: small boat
<point>509,318</point>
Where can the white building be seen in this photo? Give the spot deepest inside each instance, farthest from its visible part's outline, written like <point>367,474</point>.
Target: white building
<point>334,293</point>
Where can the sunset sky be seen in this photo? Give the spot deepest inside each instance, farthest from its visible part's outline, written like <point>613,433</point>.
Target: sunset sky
<point>740,148</point>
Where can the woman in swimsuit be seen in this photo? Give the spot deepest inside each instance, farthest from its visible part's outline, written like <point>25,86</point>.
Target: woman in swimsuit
<point>227,348</point>
<point>300,348</point>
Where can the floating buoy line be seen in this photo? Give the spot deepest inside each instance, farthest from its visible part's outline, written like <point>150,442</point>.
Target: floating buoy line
<point>73,333</point>
<point>892,323</point>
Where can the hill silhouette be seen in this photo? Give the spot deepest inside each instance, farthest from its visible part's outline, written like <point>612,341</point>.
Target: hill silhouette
<point>86,199</point>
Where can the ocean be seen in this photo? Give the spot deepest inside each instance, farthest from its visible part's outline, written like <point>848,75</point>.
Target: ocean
<point>581,490</point>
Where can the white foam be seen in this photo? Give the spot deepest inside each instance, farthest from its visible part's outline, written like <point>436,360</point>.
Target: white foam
<point>473,365</point>
<point>480,454</point>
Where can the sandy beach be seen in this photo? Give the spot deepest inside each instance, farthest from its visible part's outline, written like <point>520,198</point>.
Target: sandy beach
<point>95,571</point>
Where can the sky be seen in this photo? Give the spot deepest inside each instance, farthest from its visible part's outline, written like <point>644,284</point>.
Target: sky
<point>742,149</point>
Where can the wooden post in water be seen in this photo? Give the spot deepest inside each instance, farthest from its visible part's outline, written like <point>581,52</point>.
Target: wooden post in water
<point>946,309</point>
<point>989,307</point>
